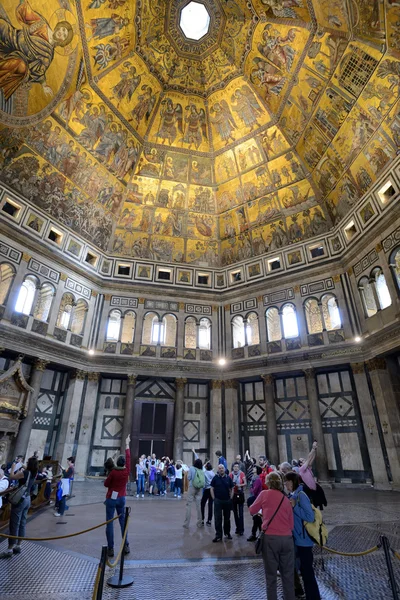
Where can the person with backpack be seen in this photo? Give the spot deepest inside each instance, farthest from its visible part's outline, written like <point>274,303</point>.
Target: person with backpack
<point>303,514</point>
<point>277,548</point>
<point>196,484</point>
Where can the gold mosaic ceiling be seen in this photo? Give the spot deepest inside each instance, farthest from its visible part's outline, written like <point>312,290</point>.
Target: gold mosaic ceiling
<point>263,133</point>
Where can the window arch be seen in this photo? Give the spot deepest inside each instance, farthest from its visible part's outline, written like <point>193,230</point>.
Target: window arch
<point>238,335</point>
<point>26,295</point>
<point>190,408</point>
<point>44,302</point>
<point>205,334</point>
<point>331,313</point>
<point>367,297</point>
<point>128,327</point>
<point>395,265</point>
<point>79,317</point>
<point>252,329</point>
<point>381,287</point>
<point>7,275</point>
<point>116,402</point>
<point>197,408</point>
<point>65,310</point>
<point>168,330</point>
<point>289,321</point>
<point>151,329</point>
<point>313,316</point>
<point>274,328</point>
<point>191,333</point>
<point>107,402</point>
<point>113,326</point>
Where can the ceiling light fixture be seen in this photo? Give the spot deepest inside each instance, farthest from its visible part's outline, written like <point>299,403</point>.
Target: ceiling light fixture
<point>222,361</point>
<point>91,351</point>
<point>357,339</point>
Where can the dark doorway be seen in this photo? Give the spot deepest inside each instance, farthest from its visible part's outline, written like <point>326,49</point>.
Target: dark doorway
<point>153,428</point>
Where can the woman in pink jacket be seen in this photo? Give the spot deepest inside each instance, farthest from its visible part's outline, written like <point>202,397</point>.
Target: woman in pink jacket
<point>278,548</point>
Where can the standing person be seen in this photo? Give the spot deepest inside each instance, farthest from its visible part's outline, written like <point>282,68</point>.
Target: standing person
<point>178,479</point>
<point>196,484</point>
<point>239,480</point>
<point>171,476</point>
<point>4,483</point>
<point>249,465</point>
<point>255,490</point>
<point>160,469</point>
<point>152,477</point>
<point>242,466</point>
<point>67,477</point>
<point>140,467</point>
<point>302,511</point>
<point>206,497</point>
<point>222,493</point>
<point>313,490</point>
<point>19,512</point>
<point>222,460</point>
<point>116,496</point>
<point>278,551</point>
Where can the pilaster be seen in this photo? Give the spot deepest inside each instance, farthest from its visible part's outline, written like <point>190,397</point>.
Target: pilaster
<point>321,459</point>
<point>270,413</point>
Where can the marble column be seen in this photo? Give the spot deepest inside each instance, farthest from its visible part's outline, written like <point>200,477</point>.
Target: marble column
<point>21,445</point>
<point>232,420</point>
<point>178,417</point>
<point>70,416</point>
<point>378,467</point>
<point>215,433</point>
<point>388,413</point>
<point>321,460</point>
<point>86,426</point>
<point>128,414</point>
<point>270,413</point>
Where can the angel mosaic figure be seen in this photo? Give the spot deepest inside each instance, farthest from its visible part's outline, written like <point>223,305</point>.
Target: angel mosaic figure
<point>145,105</point>
<point>246,106</point>
<point>127,84</point>
<point>27,53</point>
<point>196,128</point>
<point>171,118</point>
<point>223,121</point>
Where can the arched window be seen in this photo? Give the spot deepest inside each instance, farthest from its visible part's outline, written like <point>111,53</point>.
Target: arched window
<point>26,295</point>
<point>107,402</point>
<point>113,326</point>
<point>150,329</point>
<point>190,408</point>
<point>128,327</point>
<point>168,331</point>
<point>394,263</point>
<point>313,316</point>
<point>238,336</point>
<point>116,403</point>
<point>331,312</point>
<point>205,334</point>
<point>252,330</point>
<point>197,408</point>
<point>65,310</point>
<point>6,278</point>
<point>289,320</point>
<point>79,317</point>
<point>190,332</point>
<point>381,288</point>
<point>43,305</point>
<point>367,297</point>
<point>274,329</point>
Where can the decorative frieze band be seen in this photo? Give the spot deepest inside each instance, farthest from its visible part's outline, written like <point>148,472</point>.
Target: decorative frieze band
<point>315,287</point>
<point>124,302</point>
<point>161,305</point>
<point>279,296</point>
<point>198,309</point>
<point>77,288</point>
<point>367,260</point>
<point>10,252</point>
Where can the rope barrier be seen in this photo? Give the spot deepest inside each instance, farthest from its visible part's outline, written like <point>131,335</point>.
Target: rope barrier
<point>114,564</point>
<point>397,554</point>
<point>58,537</point>
<point>96,583</point>
<point>369,551</point>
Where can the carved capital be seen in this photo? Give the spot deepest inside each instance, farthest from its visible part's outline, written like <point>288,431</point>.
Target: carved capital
<point>94,294</point>
<point>40,364</point>
<point>260,299</point>
<point>180,383</point>
<point>336,278</point>
<point>107,297</point>
<point>231,384</point>
<point>357,368</point>
<point>227,307</point>
<point>132,379</point>
<point>26,257</point>
<point>63,277</point>
<point>216,384</point>
<point>376,364</point>
<point>309,373</point>
<point>350,271</point>
<point>92,376</point>
<point>268,379</point>
<point>296,289</point>
<point>78,374</point>
<point>379,247</point>
<point>215,308</point>
<point>141,300</point>
<point>181,306</point>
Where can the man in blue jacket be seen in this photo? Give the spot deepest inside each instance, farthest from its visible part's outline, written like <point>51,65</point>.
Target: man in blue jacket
<point>222,460</point>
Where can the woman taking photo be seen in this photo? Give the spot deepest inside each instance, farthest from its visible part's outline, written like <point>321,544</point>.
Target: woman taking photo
<point>24,476</point>
<point>302,511</point>
<point>278,550</point>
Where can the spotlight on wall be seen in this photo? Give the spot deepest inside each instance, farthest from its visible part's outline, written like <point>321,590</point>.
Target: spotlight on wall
<point>91,351</point>
<point>357,339</point>
<point>222,361</point>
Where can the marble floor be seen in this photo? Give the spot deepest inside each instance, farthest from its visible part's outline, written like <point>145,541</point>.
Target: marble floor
<point>169,562</point>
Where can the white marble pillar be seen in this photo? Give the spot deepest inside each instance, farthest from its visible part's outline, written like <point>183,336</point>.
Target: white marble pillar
<point>86,426</point>
<point>321,459</point>
<point>128,414</point>
<point>215,418</point>
<point>69,423</point>
<point>178,417</point>
<point>232,434</point>
<point>270,413</point>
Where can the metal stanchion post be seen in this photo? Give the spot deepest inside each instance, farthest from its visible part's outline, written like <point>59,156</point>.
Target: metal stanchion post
<point>392,579</point>
<point>121,580</point>
<point>103,561</point>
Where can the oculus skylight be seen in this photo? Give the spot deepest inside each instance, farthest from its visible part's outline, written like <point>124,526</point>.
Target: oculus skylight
<point>195,21</point>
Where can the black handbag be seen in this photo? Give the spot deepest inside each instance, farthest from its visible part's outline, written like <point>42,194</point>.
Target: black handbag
<point>239,497</point>
<point>259,545</point>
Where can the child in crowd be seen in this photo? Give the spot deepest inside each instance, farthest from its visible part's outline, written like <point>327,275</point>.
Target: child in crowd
<point>152,476</point>
<point>178,479</point>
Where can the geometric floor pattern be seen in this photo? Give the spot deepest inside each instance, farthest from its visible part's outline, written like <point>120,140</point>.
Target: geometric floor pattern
<point>49,574</point>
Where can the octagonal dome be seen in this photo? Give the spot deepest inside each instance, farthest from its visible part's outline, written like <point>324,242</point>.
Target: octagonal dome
<point>194,21</point>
